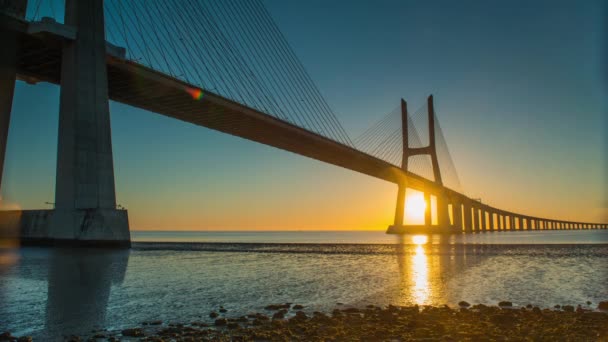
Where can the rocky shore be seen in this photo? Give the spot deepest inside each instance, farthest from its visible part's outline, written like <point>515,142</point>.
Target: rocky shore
<point>287,322</point>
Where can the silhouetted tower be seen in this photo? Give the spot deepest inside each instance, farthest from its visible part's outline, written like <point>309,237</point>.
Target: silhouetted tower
<point>431,150</point>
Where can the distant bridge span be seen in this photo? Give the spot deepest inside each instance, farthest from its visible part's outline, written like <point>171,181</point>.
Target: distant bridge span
<point>41,50</point>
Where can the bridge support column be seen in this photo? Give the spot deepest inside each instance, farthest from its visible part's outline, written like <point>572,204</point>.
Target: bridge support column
<point>468,219</point>
<point>428,219</point>
<point>85,201</point>
<point>483,227</point>
<point>456,216</point>
<point>478,220</point>
<point>400,209</point>
<point>443,216</point>
<point>8,60</point>
<point>490,224</point>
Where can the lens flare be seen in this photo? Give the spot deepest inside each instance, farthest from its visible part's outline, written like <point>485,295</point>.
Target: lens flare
<point>196,94</point>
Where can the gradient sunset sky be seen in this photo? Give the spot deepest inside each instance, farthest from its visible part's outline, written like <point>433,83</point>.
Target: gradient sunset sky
<point>520,91</point>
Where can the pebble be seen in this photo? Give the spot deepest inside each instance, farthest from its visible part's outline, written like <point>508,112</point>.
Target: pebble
<point>221,321</point>
<point>464,304</point>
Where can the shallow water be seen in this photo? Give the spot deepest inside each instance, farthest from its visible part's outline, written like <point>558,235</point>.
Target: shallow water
<point>49,293</point>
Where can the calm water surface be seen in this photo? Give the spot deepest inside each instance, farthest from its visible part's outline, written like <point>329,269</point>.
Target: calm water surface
<point>181,277</point>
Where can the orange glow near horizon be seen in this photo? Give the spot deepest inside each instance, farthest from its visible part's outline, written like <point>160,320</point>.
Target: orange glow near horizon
<point>415,208</point>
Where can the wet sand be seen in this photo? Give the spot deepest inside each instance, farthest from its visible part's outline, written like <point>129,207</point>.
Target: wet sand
<point>286,322</point>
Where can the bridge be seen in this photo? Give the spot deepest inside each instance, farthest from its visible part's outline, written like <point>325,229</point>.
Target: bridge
<point>223,65</point>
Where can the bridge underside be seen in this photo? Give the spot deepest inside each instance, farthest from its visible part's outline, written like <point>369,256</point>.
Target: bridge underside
<point>136,85</point>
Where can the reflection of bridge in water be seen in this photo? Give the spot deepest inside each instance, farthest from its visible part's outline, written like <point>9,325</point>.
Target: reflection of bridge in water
<point>78,285</point>
<point>221,65</point>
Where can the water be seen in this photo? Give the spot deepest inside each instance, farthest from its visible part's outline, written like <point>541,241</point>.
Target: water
<point>48,293</point>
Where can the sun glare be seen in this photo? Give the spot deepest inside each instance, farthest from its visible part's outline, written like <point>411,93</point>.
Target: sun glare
<point>420,239</point>
<point>415,208</point>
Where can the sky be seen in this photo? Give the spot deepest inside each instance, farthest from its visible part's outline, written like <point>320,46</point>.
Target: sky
<point>519,87</point>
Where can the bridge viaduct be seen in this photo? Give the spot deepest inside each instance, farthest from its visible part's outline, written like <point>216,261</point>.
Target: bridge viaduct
<point>91,71</point>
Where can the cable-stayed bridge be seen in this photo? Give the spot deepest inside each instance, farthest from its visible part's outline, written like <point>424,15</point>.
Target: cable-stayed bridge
<point>221,64</point>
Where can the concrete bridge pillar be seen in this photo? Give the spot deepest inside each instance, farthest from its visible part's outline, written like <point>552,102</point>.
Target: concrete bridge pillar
<point>400,209</point>
<point>443,216</point>
<point>468,219</point>
<point>490,221</point>
<point>475,219</point>
<point>457,215</point>
<point>484,224</point>
<point>502,222</point>
<point>520,223</point>
<point>8,73</point>
<point>85,201</point>
<point>478,225</point>
<point>428,219</point>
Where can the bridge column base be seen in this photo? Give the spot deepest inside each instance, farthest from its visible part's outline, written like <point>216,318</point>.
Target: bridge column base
<point>78,228</point>
<point>421,229</point>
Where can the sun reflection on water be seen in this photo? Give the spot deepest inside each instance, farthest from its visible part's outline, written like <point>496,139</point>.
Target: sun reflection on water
<point>420,271</point>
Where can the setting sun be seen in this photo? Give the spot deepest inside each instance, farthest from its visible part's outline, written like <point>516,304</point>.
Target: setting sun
<point>415,208</point>
<point>420,239</point>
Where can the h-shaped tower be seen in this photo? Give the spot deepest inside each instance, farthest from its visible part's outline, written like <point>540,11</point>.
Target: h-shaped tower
<point>442,209</point>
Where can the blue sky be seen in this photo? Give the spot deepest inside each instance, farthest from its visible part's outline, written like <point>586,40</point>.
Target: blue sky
<point>518,86</point>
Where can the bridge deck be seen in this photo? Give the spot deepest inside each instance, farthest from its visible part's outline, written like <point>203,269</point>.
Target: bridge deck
<point>139,86</point>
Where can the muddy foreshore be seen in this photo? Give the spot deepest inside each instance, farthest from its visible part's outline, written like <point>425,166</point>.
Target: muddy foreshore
<point>286,322</point>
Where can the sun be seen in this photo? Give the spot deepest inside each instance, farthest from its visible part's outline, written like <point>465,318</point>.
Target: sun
<point>420,239</point>
<point>415,206</point>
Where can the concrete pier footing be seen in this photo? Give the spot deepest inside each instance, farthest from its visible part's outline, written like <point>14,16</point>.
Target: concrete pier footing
<point>422,229</point>
<point>83,227</point>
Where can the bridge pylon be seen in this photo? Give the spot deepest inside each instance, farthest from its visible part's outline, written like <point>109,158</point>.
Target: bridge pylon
<point>442,201</point>
<point>85,210</point>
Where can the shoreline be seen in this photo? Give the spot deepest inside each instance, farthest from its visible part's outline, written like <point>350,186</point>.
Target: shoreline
<point>288,322</point>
